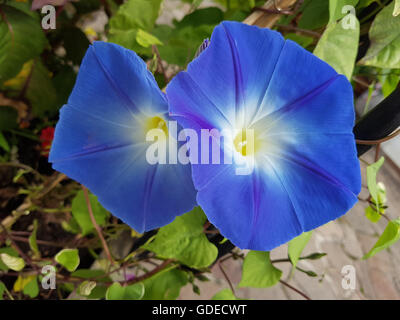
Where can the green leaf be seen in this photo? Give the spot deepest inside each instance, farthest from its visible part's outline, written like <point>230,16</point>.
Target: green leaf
<point>145,39</point>
<point>99,275</point>
<point>8,118</point>
<point>132,16</point>
<point>13,263</point>
<point>2,290</point>
<point>184,240</point>
<point>68,258</point>
<point>396,10</point>
<point>165,285</point>
<point>205,16</point>
<point>372,215</point>
<point>338,47</point>
<point>86,287</point>
<point>80,212</point>
<point>314,256</point>
<point>75,43</point>
<point>258,271</point>
<point>40,91</point>
<point>10,251</point>
<point>372,171</point>
<point>21,39</point>
<point>3,143</point>
<point>32,288</point>
<point>130,292</point>
<point>297,245</point>
<point>384,35</point>
<point>32,240</point>
<point>336,7</point>
<point>371,212</point>
<point>181,44</point>
<point>315,14</point>
<point>389,236</point>
<point>389,83</point>
<point>304,41</point>
<point>63,82</point>
<point>224,294</point>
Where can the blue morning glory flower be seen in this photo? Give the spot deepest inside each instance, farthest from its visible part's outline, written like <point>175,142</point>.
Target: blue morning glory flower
<point>305,170</point>
<point>100,140</point>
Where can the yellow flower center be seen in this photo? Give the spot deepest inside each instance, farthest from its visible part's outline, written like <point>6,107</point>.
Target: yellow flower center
<point>246,143</point>
<point>157,123</point>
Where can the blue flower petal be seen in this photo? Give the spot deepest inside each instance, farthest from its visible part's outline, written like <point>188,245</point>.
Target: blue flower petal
<point>100,140</point>
<point>307,172</point>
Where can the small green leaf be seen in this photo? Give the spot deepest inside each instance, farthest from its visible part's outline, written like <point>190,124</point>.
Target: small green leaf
<point>396,10</point>
<point>314,256</point>
<point>224,294</point>
<point>10,251</point>
<point>3,143</point>
<point>372,215</point>
<point>99,275</point>
<point>297,245</point>
<point>68,258</point>
<point>339,46</point>
<point>130,17</point>
<point>389,236</point>
<point>258,271</point>
<point>32,288</point>
<point>2,290</point>
<point>389,83</point>
<point>372,171</point>
<point>184,240</point>
<point>86,287</point>
<point>130,292</point>
<point>146,40</point>
<point>81,214</point>
<point>384,35</point>
<point>21,39</point>
<point>14,263</point>
<point>32,240</point>
<point>165,285</point>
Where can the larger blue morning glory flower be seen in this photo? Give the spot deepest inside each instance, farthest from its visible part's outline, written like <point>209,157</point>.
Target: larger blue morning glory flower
<point>100,140</point>
<point>306,171</point>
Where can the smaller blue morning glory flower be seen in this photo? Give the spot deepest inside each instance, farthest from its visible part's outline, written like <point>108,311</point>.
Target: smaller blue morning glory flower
<point>100,140</point>
<point>304,167</point>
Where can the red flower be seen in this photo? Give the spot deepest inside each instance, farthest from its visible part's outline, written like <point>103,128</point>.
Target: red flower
<point>46,138</point>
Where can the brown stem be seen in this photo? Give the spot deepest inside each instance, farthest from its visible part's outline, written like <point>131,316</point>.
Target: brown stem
<point>373,142</point>
<point>294,289</point>
<point>17,248</point>
<point>226,277</point>
<point>97,227</point>
<point>297,29</point>
<point>151,273</point>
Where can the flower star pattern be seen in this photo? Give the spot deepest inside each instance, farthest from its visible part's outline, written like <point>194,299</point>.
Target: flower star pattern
<point>306,170</point>
<point>100,140</point>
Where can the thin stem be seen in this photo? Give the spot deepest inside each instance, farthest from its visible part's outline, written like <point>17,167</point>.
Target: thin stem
<point>226,277</point>
<point>159,63</point>
<point>295,290</point>
<point>97,227</point>
<point>373,142</point>
<point>151,273</point>
<point>297,29</point>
